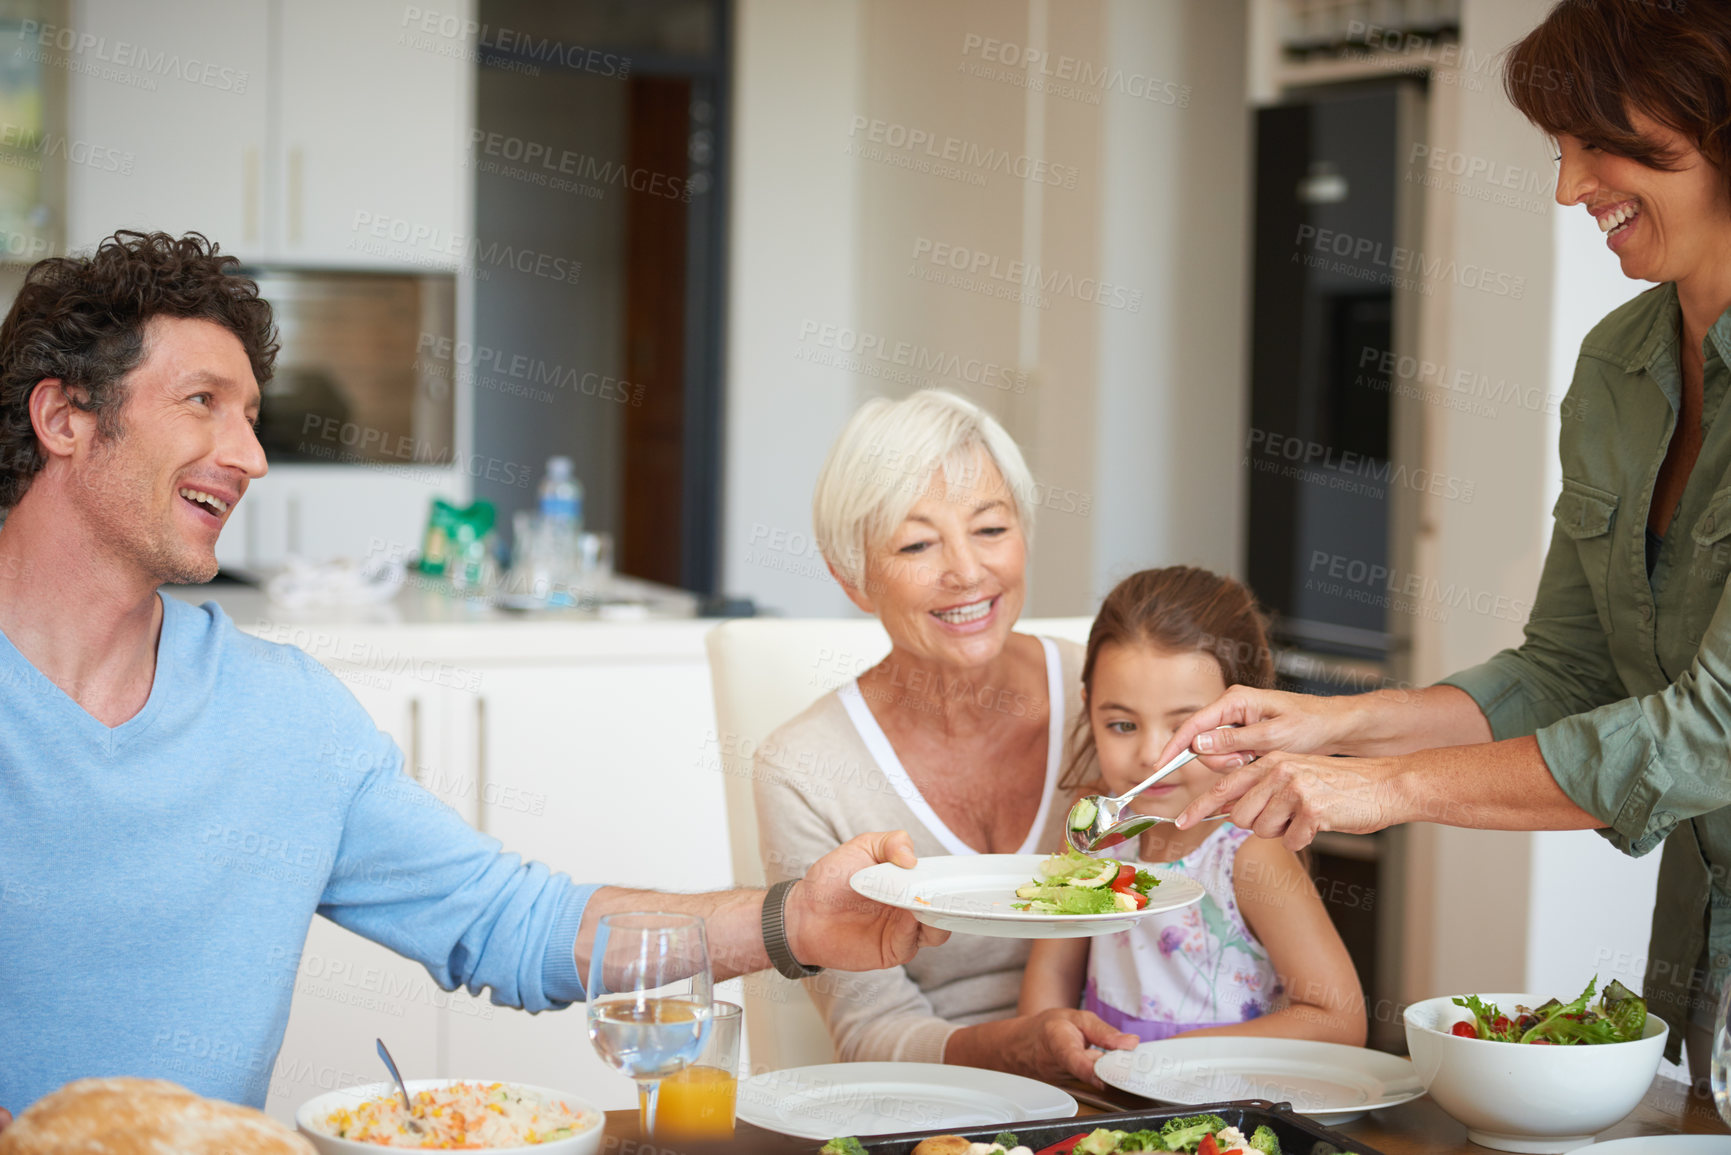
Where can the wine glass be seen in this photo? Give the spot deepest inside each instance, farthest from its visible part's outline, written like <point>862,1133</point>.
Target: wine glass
<point>1721,1065</point>
<point>650,993</point>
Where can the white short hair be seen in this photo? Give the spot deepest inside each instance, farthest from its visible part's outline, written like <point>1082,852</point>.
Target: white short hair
<point>881,464</point>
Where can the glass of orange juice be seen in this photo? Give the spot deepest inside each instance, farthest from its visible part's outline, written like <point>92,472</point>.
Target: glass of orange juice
<point>697,1102</point>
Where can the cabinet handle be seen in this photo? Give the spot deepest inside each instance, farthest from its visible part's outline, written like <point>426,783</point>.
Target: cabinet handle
<point>294,190</point>
<point>249,194</point>
<point>481,763</point>
<point>415,739</point>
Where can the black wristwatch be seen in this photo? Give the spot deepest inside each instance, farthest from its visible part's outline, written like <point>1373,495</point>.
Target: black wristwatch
<point>775,934</point>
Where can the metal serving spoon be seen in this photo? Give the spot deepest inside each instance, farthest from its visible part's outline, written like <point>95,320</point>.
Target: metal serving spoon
<point>409,1110</point>
<point>1097,822</point>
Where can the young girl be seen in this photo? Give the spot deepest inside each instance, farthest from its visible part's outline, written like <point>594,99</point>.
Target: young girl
<point>1258,955</point>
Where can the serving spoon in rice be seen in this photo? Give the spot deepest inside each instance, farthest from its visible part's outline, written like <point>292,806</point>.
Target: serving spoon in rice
<point>408,1108</point>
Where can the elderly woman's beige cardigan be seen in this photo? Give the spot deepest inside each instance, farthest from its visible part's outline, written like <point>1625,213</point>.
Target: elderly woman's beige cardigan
<point>818,784</point>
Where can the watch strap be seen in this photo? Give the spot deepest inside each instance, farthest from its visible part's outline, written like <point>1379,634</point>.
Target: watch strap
<point>775,933</point>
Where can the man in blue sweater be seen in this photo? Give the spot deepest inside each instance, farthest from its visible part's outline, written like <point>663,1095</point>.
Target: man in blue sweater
<point>178,799</point>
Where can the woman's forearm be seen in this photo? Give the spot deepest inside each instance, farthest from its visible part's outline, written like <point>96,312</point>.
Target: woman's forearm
<point>1390,722</point>
<point>1492,786</point>
<point>981,1045</point>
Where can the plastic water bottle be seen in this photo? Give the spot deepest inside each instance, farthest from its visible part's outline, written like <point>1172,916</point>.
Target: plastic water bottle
<point>561,497</point>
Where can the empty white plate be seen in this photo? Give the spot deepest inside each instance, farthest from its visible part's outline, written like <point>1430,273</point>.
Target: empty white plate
<point>883,1098</point>
<point>1323,1080</point>
<point>976,893</point>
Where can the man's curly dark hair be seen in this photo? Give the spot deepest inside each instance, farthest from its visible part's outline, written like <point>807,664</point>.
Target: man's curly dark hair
<point>81,319</point>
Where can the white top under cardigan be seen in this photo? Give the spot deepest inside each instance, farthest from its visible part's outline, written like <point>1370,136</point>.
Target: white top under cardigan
<point>830,774</point>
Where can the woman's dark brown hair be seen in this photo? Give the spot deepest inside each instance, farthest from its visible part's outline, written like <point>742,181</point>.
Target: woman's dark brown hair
<point>1180,609</point>
<point>81,320</point>
<point>1593,62</point>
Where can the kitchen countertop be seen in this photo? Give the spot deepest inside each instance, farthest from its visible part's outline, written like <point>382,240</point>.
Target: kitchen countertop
<point>1416,1128</point>
<point>427,601</point>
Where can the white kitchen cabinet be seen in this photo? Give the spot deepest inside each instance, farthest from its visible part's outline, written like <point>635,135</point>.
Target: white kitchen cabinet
<point>570,757</point>
<point>374,124</point>
<point>169,102</point>
<point>315,133</point>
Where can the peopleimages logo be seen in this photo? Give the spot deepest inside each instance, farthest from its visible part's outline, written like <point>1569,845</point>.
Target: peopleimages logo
<point>1070,76</point>
<point>983,272</point>
<point>95,51</point>
<point>1369,259</point>
<point>858,349</point>
<point>965,153</point>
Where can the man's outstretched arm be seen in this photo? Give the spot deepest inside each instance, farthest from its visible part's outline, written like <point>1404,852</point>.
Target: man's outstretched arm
<point>828,924</point>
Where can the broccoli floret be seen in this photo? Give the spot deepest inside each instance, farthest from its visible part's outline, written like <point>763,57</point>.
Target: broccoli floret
<point>1102,1141</point>
<point>1007,1140</point>
<point>846,1145</point>
<point>1142,1141</point>
<point>1264,1141</point>
<point>1182,1134</point>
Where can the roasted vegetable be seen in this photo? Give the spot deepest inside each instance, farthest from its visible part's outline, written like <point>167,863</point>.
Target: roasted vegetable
<point>1183,1133</point>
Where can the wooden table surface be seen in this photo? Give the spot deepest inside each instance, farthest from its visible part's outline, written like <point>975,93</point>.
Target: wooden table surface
<point>1416,1128</point>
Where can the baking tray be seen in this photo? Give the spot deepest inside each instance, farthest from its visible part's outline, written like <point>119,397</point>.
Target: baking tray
<point>1297,1135</point>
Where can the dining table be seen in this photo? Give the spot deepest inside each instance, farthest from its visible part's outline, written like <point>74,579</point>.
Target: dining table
<point>1419,1127</point>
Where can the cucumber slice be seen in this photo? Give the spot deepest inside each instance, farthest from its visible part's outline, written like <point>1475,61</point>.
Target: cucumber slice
<point>1107,872</point>
<point>1082,815</point>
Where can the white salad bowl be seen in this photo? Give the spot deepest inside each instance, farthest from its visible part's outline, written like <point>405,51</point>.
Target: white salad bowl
<point>310,1118</point>
<point>1520,1097</point>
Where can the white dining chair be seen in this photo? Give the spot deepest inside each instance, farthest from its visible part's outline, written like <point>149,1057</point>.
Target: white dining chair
<point>765,671</point>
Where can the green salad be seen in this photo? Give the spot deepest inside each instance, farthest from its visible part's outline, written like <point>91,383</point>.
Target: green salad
<point>1073,883</point>
<point>1620,1017</point>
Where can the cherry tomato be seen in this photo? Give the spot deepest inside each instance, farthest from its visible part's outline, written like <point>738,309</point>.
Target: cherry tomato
<point>1542,1043</point>
<point>1126,874</point>
<point>1208,1146</point>
<point>1464,1030</point>
<point>1501,1024</point>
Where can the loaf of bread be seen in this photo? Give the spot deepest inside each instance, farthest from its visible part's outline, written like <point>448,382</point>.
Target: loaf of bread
<point>143,1117</point>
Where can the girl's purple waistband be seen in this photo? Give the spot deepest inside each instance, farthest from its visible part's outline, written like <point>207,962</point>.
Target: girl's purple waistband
<point>1148,1030</point>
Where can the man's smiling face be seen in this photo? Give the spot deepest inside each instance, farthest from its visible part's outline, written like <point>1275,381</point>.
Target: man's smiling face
<point>159,492</point>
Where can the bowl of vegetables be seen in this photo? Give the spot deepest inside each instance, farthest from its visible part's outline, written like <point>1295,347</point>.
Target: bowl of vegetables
<point>1532,1073</point>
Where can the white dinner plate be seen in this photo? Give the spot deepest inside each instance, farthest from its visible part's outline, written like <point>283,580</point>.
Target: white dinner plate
<point>863,1099</point>
<point>1664,1145</point>
<point>1322,1080</point>
<point>974,893</point>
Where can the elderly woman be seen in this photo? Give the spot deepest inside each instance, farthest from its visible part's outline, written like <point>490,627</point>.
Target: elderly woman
<point>923,512</point>
<point>1613,714</point>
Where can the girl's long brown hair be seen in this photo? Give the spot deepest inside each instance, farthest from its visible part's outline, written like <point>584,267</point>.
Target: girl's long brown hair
<point>1179,609</point>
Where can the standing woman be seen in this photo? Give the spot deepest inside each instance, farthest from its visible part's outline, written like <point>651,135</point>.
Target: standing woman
<point>1615,713</point>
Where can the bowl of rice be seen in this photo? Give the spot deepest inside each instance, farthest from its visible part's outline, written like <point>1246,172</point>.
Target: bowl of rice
<point>460,1114</point>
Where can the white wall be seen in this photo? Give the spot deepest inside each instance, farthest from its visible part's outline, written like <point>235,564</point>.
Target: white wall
<point>791,257</point>
<point>1129,418</point>
<point>1172,403</point>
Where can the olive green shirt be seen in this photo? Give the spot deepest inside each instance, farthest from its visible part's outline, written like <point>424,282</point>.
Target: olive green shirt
<point>1626,680</point>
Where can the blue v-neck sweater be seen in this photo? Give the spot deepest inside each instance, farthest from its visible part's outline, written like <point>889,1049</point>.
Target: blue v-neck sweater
<point>157,878</point>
